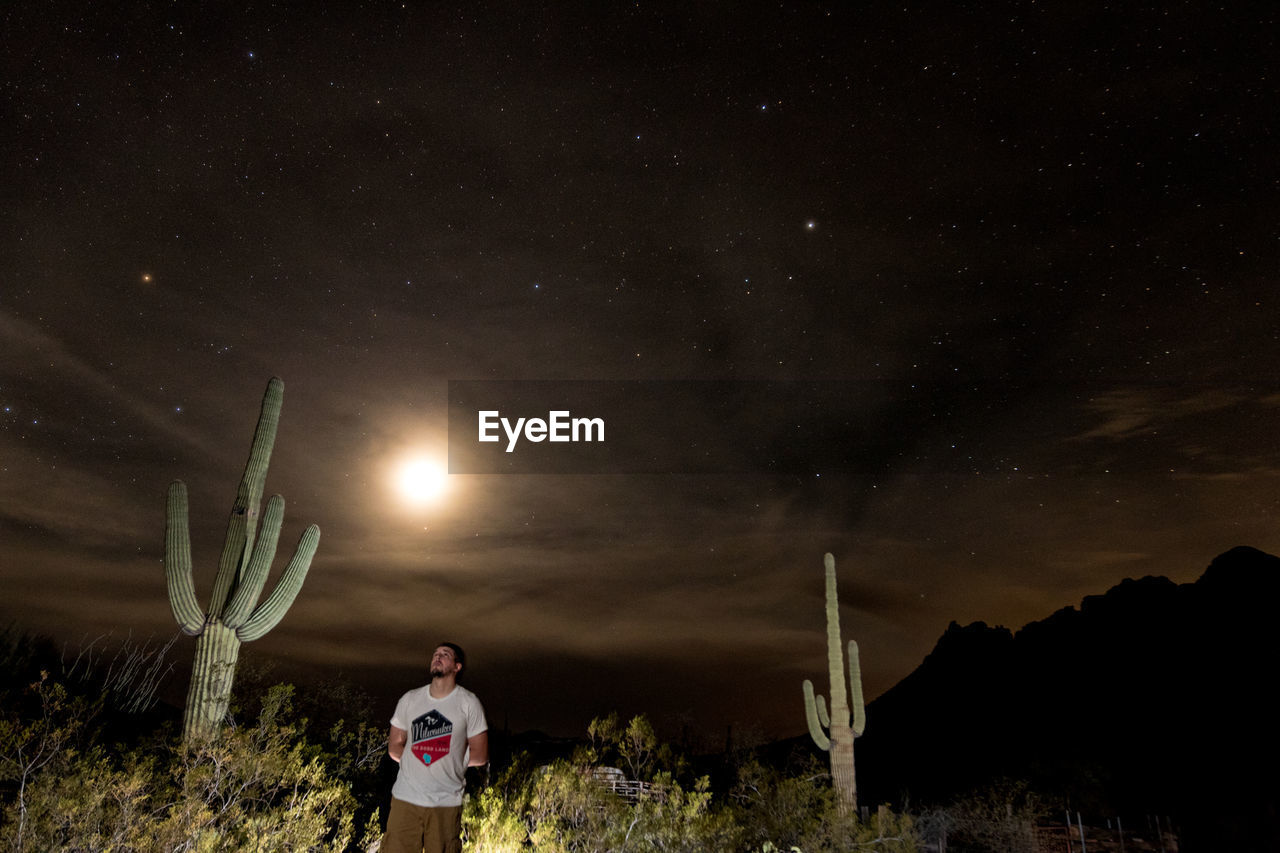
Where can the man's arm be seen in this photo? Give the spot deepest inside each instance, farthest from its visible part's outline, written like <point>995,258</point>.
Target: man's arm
<point>479,746</point>
<point>396,741</point>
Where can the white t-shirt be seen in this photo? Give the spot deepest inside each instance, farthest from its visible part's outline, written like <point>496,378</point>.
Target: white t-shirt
<point>434,763</point>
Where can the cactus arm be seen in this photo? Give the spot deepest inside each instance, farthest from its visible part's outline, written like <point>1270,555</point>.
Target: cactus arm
<point>247,591</point>
<point>233,551</point>
<point>855,688</point>
<point>177,563</point>
<point>244,514</point>
<point>271,611</point>
<point>814,708</point>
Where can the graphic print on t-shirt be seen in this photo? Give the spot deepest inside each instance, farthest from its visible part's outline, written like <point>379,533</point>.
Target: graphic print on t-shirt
<point>432,733</point>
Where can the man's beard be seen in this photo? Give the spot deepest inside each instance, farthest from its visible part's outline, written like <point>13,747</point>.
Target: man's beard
<point>436,672</point>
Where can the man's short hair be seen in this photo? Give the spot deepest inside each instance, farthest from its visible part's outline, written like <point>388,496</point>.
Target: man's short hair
<point>458,654</point>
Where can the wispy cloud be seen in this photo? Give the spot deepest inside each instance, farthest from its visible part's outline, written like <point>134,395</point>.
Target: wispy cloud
<point>1130,412</point>
<point>52,365</point>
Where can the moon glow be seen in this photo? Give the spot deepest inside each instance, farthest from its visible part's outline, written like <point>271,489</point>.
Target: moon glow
<point>422,481</point>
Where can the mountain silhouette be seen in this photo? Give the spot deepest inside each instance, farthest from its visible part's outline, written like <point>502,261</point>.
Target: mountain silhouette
<point>1152,699</point>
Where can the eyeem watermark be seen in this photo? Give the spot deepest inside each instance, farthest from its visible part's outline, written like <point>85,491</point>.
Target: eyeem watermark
<point>559,426</point>
<point>777,428</point>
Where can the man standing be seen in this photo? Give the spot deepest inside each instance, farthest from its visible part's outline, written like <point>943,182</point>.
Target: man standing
<point>444,728</point>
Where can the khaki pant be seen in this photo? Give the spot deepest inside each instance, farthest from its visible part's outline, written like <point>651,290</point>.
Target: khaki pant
<point>419,829</point>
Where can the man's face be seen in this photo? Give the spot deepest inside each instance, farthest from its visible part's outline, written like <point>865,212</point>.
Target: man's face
<point>444,663</point>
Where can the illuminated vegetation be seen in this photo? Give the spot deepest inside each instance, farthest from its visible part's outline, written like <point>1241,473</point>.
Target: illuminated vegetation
<point>271,781</point>
<point>85,766</point>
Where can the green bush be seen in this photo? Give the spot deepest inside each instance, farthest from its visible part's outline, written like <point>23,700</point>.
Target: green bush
<point>564,807</point>
<point>259,787</point>
<point>799,811</point>
<point>999,818</point>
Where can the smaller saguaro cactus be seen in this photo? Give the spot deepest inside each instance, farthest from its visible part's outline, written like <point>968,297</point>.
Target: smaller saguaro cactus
<point>234,616</point>
<point>842,728</point>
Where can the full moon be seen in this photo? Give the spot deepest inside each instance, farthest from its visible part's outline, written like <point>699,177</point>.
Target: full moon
<point>422,481</point>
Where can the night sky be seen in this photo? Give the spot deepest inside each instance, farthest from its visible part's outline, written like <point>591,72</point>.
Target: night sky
<point>1054,223</point>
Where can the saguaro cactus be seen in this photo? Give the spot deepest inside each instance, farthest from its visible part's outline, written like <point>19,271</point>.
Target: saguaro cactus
<point>843,731</point>
<point>233,617</point>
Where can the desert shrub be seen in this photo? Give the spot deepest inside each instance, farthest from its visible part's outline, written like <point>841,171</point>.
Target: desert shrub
<point>565,807</point>
<point>797,810</point>
<point>1000,818</point>
<point>681,819</point>
<point>40,730</point>
<point>126,675</point>
<point>494,823</point>
<point>260,787</point>
<point>256,787</point>
<point>783,809</point>
<point>568,811</point>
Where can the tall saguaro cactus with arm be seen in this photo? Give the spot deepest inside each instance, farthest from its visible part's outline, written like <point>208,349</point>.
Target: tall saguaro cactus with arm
<point>842,729</point>
<point>234,615</point>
